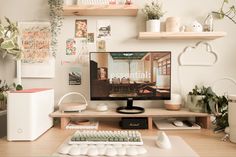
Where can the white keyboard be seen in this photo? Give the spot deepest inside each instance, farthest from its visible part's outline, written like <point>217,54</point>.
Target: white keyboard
<point>107,137</point>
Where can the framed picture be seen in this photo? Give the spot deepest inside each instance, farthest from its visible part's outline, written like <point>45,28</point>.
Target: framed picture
<point>74,76</point>
<point>35,38</point>
<point>81,28</point>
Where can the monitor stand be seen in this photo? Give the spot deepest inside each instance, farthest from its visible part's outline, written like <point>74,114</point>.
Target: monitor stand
<point>130,109</point>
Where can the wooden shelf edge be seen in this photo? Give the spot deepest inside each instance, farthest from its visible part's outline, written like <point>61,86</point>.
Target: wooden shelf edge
<point>100,10</point>
<point>180,35</point>
<point>151,112</point>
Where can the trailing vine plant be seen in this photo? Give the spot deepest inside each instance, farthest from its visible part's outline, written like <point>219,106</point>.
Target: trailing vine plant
<point>226,11</point>
<point>56,10</point>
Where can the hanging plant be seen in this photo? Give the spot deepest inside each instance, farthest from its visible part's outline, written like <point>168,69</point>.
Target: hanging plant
<point>8,40</point>
<point>56,10</point>
<point>226,11</point>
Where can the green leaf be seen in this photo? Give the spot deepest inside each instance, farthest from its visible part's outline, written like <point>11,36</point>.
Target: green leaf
<point>19,87</point>
<point>7,44</point>
<point>226,1</point>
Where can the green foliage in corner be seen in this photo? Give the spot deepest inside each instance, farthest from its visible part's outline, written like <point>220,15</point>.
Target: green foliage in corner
<point>226,10</point>
<point>8,40</point>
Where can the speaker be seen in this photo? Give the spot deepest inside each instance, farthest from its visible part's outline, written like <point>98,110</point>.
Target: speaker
<point>134,123</point>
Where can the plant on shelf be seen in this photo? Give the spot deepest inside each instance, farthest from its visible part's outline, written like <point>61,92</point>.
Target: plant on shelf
<point>203,99</point>
<point>56,10</point>
<point>226,11</point>
<point>153,12</point>
<point>8,40</point>
<point>4,87</point>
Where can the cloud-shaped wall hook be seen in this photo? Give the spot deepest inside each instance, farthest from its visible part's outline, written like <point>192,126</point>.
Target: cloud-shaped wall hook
<point>190,58</point>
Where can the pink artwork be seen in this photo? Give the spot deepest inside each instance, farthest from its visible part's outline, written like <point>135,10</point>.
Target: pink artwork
<point>70,47</point>
<point>81,28</point>
<point>35,40</point>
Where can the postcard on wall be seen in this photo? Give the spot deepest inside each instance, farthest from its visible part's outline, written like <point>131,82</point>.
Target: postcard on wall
<point>70,47</point>
<point>90,37</point>
<point>101,45</point>
<point>35,38</point>
<point>81,28</point>
<point>75,76</point>
<point>103,28</point>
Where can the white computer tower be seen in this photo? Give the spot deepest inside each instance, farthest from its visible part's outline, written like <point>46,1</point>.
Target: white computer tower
<point>28,113</point>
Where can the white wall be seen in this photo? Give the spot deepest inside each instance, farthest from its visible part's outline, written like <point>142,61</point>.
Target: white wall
<point>124,37</point>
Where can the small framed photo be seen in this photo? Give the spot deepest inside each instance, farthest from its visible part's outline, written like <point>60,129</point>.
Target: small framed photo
<point>81,28</point>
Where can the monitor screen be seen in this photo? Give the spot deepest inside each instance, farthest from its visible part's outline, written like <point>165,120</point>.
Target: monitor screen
<point>137,75</point>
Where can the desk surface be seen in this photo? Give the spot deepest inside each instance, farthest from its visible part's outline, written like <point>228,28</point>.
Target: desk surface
<point>204,142</point>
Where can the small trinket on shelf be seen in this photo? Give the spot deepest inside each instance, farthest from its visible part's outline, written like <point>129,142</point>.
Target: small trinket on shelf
<point>208,24</point>
<point>128,2</point>
<point>112,1</point>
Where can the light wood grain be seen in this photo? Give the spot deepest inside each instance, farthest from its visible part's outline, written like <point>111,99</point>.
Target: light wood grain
<point>149,113</point>
<point>203,141</point>
<point>181,35</point>
<point>100,10</point>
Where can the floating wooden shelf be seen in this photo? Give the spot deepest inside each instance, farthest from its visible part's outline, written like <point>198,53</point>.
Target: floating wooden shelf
<point>181,35</point>
<point>150,113</point>
<point>100,10</point>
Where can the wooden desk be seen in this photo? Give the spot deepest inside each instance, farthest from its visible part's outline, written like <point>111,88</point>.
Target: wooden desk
<point>203,141</point>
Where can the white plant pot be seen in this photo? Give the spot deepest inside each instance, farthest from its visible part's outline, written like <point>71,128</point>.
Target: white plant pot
<point>195,104</point>
<point>70,2</point>
<point>153,26</point>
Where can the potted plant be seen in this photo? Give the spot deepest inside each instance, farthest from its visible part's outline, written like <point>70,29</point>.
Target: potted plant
<point>195,100</point>
<point>153,12</point>
<point>203,99</point>
<point>4,88</point>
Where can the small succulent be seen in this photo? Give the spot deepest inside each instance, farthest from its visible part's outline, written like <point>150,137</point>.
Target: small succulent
<point>8,40</point>
<point>153,10</point>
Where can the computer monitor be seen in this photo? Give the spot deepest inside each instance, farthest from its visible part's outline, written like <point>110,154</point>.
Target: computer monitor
<point>130,76</point>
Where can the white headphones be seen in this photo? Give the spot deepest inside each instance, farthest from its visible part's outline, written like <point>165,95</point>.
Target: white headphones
<point>72,107</point>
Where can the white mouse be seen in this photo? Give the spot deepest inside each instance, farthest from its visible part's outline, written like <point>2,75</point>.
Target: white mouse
<point>178,123</point>
<point>74,151</point>
<point>111,151</point>
<point>65,149</point>
<point>131,151</point>
<point>163,141</point>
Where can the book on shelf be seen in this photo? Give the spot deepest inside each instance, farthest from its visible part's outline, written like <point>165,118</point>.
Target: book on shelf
<point>87,124</point>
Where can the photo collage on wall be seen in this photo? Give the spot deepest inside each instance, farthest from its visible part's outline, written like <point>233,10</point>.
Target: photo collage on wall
<point>76,48</point>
